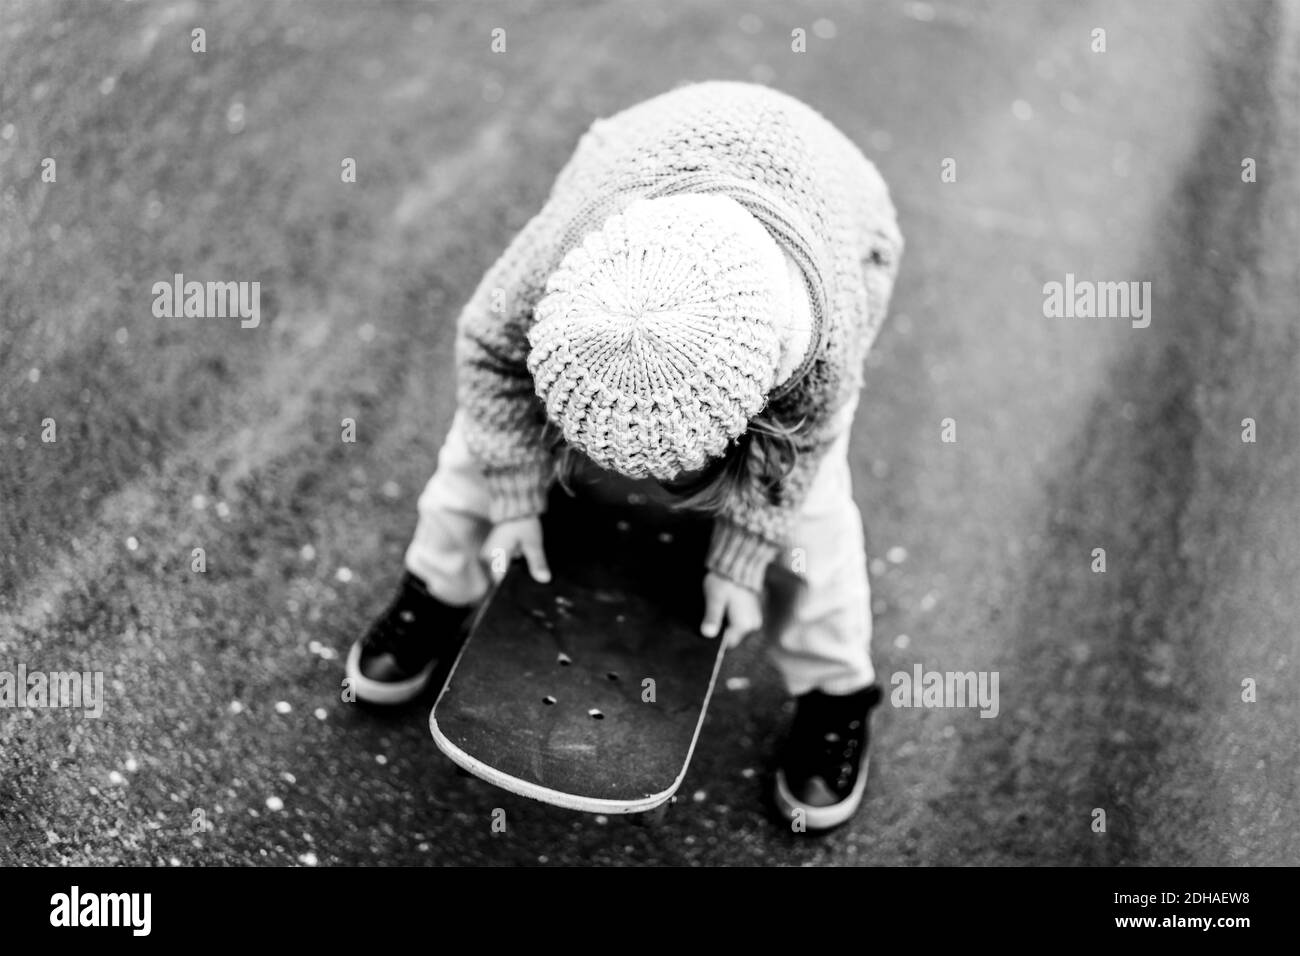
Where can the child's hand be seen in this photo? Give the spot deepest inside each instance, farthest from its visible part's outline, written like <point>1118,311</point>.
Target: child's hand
<point>512,538</point>
<point>740,607</point>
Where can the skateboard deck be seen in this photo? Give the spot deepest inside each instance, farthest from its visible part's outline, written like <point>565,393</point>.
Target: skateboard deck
<point>588,692</point>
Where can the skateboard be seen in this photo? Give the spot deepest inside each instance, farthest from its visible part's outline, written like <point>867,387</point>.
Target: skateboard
<point>589,692</point>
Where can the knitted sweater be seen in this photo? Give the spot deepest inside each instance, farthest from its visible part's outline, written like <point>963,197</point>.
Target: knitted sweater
<point>822,200</point>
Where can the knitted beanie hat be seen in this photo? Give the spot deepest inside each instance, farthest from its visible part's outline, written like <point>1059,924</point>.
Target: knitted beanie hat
<point>655,342</point>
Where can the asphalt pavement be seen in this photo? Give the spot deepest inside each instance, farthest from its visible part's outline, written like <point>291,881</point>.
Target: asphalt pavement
<point>223,738</point>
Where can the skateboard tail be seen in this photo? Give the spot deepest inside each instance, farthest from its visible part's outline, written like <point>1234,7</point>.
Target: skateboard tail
<point>559,798</point>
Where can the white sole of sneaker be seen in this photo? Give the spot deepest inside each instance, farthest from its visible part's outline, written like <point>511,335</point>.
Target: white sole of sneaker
<point>821,818</point>
<point>384,692</point>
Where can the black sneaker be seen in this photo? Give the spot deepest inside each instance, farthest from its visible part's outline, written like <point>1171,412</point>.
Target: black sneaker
<point>394,661</point>
<point>823,770</point>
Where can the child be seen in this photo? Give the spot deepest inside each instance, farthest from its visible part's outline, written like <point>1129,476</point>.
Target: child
<point>692,307</point>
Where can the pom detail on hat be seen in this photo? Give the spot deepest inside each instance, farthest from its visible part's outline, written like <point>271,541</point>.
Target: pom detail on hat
<point>655,342</point>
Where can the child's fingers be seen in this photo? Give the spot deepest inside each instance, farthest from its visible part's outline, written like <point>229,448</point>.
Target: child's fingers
<point>715,606</point>
<point>536,559</point>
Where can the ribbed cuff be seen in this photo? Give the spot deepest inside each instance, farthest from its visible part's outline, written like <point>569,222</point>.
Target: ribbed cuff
<point>518,492</point>
<point>739,555</point>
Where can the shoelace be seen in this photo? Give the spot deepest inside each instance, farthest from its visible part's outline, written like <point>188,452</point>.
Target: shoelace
<point>832,755</point>
<point>841,752</point>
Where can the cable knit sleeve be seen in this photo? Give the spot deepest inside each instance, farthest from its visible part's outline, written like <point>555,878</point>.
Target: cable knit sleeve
<point>494,388</point>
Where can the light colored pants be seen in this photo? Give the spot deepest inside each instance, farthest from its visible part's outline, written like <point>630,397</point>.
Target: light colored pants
<point>819,621</point>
